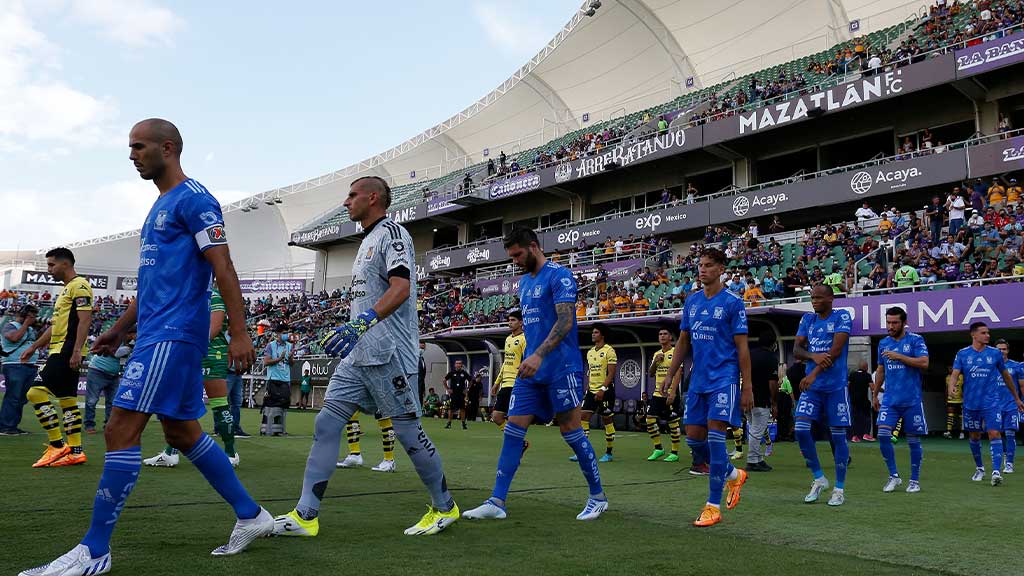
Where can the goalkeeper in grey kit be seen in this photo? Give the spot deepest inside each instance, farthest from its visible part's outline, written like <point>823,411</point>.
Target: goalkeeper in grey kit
<point>379,368</point>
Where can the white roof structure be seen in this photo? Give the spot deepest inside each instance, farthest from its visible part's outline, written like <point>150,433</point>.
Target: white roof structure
<point>630,55</point>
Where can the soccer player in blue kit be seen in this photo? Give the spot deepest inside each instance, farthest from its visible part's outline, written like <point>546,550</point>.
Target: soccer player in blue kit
<point>550,379</point>
<point>1010,414</point>
<point>822,342</point>
<point>182,244</point>
<point>714,325</point>
<point>902,358</point>
<point>983,367</point>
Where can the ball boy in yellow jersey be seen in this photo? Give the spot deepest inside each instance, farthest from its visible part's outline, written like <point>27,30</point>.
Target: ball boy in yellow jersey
<point>665,403</point>
<point>601,367</point>
<point>72,314</point>
<point>353,432</point>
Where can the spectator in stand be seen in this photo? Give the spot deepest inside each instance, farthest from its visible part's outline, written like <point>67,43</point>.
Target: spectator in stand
<point>885,225</point>
<point>975,223</point>
<point>691,194</point>
<point>666,197</point>
<point>1013,193</point>
<point>865,213</point>
<point>978,191</point>
<point>956,206</point>
<point>623,304</point>
<point>605,306</point>
<point>935,213</point>
<point>776,226</point>
<point>996,195</point>
<point>753,295</point>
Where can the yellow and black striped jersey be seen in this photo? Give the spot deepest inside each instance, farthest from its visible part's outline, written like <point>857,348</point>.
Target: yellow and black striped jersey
<point>598,361</point>
<point>76,295</point>
<point>661,370</point>
<point>515,346</point>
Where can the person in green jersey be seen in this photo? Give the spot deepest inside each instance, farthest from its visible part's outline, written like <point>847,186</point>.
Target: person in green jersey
<point>215,371</point>
<point>906,277</point>
<point>304,390</point>
<point>835,282</point>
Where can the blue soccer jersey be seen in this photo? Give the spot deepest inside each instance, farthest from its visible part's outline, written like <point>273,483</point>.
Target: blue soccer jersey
<point>820,334</point>
<point>1006,401</point>
<point>174,278</point>
<point>712,324</point>
<point>902,383</point>
<point>982,376</point>
<point>538,295</point>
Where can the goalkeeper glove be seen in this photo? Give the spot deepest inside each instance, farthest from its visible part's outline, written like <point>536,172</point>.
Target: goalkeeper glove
<point>341,340</point>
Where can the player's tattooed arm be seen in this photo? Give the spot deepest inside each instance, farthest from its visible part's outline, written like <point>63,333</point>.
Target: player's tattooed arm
<point>565,311</point>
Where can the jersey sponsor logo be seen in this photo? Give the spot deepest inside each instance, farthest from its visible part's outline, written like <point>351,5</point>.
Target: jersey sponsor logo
<point>81,301</point>
<point>567,282</point>
<point>209,218</point>
<point>134,370</point>
<point>841,408</point>
<point>399,383</point>
<point>160,223</point>
<point>723,398</point>
<point>127,395</point>
<point>397,246</point>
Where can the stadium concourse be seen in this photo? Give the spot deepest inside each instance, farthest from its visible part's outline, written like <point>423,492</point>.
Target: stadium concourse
<point>876,162</point>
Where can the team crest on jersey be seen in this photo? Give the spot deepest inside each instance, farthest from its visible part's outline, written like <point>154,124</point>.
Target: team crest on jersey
<point>719,312</point>
<point>537,291</point>
<point>161,220</point>
<point>917,418</point>
<point>970,360</point>
<point>133,371</point>
<point>831,327</point>
<point>988,359</point>
<point>841,408</point>
<point>906,347</point>
<point>369,254</point>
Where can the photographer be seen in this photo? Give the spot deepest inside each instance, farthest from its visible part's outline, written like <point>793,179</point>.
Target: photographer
<point>16,337</point>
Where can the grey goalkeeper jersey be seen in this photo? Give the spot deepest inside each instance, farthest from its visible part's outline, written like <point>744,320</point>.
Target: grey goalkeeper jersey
<point>386,247</point>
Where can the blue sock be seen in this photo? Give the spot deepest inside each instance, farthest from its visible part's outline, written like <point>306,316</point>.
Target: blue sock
<point>888,450</point>
<point>842,455</point>
<point>719,466</point>
<point>699,449</point>
<point>997,454</point>
<point>976,452</point>
<point>1010,446</point>
<point>916,454</point>
<point>120,471</point>
<point>508,460</point>
<point>806,442</point>
<point>213,463</point>
<point>577,440</point>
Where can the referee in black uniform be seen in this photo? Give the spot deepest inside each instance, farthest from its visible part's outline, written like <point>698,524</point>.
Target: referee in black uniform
<point>456,383</point>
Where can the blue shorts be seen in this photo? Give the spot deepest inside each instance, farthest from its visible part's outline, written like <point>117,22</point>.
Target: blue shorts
<point>721,404</point>
<point>829,408</point>
<point>983,419</point>
<point>914,422</point>
<point>164,378</point>
<point>1011,419</point>
<point>543,399</point>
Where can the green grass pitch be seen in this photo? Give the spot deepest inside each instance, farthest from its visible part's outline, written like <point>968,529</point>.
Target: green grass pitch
<point>174,519</point>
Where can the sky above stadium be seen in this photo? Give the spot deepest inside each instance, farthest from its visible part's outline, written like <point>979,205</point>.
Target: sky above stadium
<point>264,96</point>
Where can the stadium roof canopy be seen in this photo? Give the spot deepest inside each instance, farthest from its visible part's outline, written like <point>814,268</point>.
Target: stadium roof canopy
<point>628,56</point>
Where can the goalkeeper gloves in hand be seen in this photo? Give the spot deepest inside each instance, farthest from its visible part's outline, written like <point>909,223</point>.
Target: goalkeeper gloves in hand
<point>341,340</point>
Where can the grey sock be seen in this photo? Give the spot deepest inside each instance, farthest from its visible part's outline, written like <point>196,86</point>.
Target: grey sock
<point>323,456</point>
<point>425,459</point>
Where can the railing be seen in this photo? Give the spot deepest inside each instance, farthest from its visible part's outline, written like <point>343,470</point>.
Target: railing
<point>802,299</point>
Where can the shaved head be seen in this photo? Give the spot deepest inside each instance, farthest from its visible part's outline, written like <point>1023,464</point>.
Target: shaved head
<point>158,130</point>
<point>375,184</point>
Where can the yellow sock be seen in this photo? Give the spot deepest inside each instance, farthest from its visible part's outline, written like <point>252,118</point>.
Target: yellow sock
<point>352,434</point>
<point>676,432</point>
<point>653,432</point>
<point>586,427</point>
<point>387,432</point>
<point>72,422</point>
<point>502,425</point>
<point>46,414</point>
<point>609,437</point>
